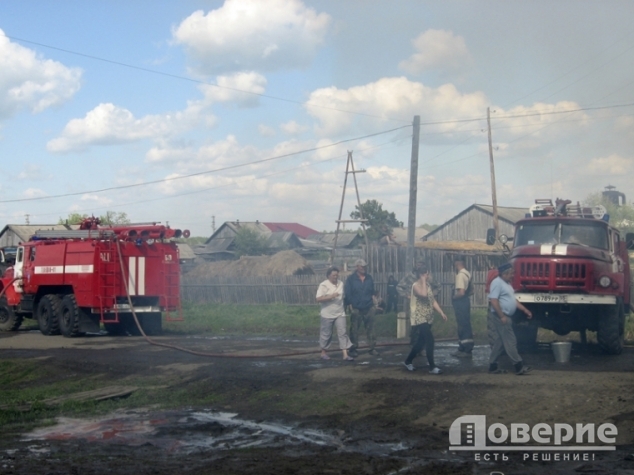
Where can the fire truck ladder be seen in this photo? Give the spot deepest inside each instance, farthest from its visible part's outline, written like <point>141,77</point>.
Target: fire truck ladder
<point>109,282</point>
<point>171,285</point>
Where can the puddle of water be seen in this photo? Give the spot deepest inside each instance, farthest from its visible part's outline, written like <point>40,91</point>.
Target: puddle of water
<point>199,431</point>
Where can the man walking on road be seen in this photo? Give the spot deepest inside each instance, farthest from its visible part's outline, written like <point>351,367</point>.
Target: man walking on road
<point>358,293</point>
<point>503,306</point>
<point>462,308</point>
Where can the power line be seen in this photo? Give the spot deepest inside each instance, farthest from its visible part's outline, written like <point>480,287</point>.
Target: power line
<point>233,182</point>
<point>198,81</point>
<point>232,167</point>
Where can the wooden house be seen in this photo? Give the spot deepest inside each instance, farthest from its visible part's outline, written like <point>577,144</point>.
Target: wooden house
<point>472,223</point>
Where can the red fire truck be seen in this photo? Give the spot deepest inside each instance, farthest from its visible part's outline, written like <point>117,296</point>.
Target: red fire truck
<point>71,281</point>
<point>572,271</point>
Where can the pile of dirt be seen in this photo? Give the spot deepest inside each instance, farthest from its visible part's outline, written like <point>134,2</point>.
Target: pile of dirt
<point>280,264</point>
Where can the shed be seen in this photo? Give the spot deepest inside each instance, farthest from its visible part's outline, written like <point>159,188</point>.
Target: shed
<point>472,223</point>
<point>14,234</point>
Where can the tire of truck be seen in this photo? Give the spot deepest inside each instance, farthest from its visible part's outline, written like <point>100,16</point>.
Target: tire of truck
<point>70,317</point>
<point>611,329</point>
<point>9,321</point>
<point>152,323</point>
<point>48,314</point>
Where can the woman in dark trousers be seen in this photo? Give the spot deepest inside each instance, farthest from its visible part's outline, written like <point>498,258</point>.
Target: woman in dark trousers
<point>423,305</point>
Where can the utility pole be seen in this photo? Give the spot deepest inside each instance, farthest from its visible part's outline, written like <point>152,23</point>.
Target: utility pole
<point>213,224</point>
<point>413,191</point>
<point>28,221</point>
<point>349,170</point>
<point>494,198</point>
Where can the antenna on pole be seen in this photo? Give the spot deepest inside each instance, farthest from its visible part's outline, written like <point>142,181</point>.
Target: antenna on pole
<point>349,170</point>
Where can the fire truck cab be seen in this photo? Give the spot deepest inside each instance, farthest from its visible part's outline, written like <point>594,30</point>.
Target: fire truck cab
<point>572,272</point>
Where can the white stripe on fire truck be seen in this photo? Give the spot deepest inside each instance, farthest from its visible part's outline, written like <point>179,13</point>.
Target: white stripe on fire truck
<point>131,275</point>
<point>76,269</point>
<point>141,276</point>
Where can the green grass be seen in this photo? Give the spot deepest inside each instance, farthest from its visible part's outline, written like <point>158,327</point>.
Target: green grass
<point>279,319</point>
<point>287,320</point>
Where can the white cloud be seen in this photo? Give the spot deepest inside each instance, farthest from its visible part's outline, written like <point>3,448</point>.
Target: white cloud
<point>610,165</point>
<point>252,35</point>
<point>437,49</point>
<point>100,200</point>
<point>31,172</point>
<point>30,82</point>
<point>108,124</point>
<point>231,88</point>
<point>266,131</point>
<point>33,193</point>
<point>293,128</point>
<point>392,98</point>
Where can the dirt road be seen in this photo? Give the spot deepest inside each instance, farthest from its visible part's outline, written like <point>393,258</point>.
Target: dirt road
<point>303,415</point>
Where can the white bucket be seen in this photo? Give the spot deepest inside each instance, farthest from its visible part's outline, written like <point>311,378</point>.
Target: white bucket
<point>561,350</point>
<point>401,325</point>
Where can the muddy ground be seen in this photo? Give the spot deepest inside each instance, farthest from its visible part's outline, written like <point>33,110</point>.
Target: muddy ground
<point>299,414</point>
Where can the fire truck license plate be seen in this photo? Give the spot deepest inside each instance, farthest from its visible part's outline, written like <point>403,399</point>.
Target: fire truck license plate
<point>551,298</point>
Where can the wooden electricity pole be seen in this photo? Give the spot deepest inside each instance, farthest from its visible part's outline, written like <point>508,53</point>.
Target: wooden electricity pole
<point>413,191</point>
<point>496,224</point>
<point>349,170</point>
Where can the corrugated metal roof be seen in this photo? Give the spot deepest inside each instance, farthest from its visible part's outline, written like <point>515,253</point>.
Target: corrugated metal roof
<point>299,230</point>
<point>343,240</point>
<point>185,251</point>
<point>512,215</point>
<point>25,231</point>
<point>509,214</point>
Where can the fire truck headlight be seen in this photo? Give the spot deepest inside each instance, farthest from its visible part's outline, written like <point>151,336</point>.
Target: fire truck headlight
<point>150,241</point>
<point>605,281</point>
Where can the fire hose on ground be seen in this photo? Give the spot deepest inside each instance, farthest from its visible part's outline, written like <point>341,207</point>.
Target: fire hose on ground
<point>223,355</point>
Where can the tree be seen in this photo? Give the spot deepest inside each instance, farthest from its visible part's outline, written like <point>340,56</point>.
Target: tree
<point>250,243</point>
<point>380,222</point>
<point>621,217</point>
<point>108,219</point>
<point>112,217</point>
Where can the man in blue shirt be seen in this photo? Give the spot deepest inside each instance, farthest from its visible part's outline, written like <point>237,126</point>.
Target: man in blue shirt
<point>503,307</point>
<point>357,294</point>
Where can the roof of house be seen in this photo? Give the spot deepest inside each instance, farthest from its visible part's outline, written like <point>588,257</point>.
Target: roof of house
<point>185,251</point>
<point>343,240</point>
<point>299,230</point>
<point>400,234</point>
<point>25,231</point>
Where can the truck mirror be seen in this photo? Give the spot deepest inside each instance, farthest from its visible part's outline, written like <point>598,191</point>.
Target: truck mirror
<point>490,236</point>
<point>629,240</point>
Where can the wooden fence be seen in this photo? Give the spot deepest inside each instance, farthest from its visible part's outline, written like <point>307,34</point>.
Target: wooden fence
<point>301,289</point>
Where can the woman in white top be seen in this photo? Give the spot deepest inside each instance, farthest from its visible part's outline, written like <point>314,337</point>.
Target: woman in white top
<point>330,297</point>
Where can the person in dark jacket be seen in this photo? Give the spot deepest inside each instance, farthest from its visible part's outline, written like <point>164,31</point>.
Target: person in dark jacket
<point>392,295</point>
<point>358,293</point>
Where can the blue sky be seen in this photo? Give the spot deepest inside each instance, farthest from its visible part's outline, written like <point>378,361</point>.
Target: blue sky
<point>558,77</point>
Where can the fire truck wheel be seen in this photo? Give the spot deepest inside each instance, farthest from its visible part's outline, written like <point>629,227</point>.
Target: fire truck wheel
<point>9,321</point>
<point>48,314</point>
<point>611,329</point>
<point>70,317</point>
